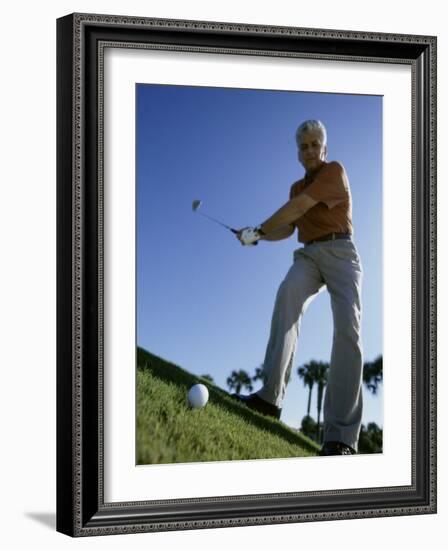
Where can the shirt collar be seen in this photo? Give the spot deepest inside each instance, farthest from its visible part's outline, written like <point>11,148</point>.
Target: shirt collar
<point>309,177</point>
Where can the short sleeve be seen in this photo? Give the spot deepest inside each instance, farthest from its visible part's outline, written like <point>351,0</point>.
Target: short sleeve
<point>330,186</point>
<point>295,189</point>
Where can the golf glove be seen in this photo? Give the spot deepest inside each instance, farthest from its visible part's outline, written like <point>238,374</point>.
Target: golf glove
<point>250,236</point>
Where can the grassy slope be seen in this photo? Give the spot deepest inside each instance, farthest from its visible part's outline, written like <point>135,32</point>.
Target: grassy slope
<point>169,431</point>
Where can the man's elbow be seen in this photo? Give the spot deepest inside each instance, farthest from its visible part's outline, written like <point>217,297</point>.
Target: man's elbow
<point>288,230</point>
<point>306,203</point>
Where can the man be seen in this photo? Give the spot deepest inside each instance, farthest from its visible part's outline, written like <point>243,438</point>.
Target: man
<point>320,208</point>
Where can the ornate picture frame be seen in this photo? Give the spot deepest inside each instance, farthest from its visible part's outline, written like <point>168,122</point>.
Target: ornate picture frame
<point>81,506</point>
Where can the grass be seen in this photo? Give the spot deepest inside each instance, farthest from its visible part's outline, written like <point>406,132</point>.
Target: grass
<point>168,431</point>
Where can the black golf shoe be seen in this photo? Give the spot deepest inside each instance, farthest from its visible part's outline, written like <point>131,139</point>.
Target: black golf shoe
<point>332,448</point>
<point>258,404</point>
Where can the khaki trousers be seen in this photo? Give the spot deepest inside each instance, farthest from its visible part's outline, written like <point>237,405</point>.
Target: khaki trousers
<point>336,265</point>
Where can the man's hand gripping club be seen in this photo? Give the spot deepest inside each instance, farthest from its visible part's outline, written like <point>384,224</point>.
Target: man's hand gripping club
<point>249,236</point>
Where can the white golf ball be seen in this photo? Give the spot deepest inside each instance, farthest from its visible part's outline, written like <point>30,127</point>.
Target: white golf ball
<point>198,396</point>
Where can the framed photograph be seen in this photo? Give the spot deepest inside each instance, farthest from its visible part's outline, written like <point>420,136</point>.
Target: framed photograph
<point>246,274</point>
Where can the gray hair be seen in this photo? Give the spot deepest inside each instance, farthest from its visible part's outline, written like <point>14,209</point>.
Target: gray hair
<point>311,125</point>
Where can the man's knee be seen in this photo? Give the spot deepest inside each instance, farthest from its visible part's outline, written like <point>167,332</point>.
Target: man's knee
<point>347,313</point>
<point>290,292</point>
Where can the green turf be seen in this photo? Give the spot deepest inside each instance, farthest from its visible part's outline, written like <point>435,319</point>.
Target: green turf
<point>169,431</point>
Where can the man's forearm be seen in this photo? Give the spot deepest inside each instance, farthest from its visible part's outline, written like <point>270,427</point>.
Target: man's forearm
<point>280,233</point>
<point>288,213</point>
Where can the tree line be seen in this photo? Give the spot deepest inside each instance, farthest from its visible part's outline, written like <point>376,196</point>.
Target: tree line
<point>314,375</point>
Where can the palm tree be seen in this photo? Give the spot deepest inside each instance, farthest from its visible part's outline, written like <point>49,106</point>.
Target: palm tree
<point>315,372</point>
<point>320,374</point>
<point>373,374</point>
<point>259,375</point>
<point>306,374</point>
<point>239,379</point>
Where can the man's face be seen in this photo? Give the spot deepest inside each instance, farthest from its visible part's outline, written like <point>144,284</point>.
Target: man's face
<point>312,153</point>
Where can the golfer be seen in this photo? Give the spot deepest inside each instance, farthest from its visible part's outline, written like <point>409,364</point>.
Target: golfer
<point>320,208</point>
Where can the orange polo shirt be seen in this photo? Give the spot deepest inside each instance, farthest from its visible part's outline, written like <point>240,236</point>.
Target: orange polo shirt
<point>333,213</point>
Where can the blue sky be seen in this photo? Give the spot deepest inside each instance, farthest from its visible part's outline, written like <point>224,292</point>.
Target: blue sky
<point>205,302</point>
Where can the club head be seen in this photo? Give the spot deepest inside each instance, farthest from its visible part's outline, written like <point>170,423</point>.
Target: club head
<point>196,204</point>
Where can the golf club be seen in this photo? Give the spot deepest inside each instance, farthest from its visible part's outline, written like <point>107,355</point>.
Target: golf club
<point>197,204</point>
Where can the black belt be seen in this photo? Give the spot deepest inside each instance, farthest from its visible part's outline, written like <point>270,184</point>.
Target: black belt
<point>330,237</point>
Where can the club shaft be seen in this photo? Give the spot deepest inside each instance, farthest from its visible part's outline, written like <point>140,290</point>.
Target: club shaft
<point>217,221</point>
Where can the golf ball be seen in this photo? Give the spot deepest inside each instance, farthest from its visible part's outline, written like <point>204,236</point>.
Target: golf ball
<point>198,396</point>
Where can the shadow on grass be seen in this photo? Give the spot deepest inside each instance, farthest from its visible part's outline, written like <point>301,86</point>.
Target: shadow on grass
<point>169,372</point>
